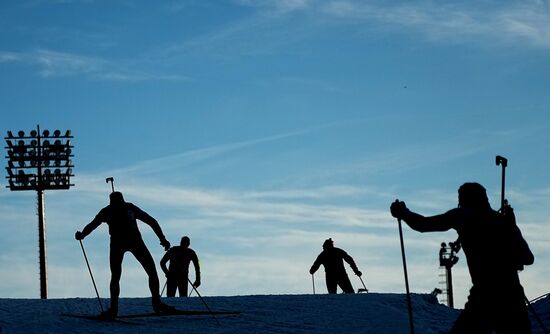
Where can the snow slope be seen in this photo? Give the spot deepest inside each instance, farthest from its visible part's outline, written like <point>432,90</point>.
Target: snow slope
<point>360,313</point>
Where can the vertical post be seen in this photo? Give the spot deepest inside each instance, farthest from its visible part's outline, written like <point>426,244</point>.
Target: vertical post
<point>42,245</point>
<point>450,299</point>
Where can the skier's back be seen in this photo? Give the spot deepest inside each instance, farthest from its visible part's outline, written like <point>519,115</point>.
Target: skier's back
<point>496,300</point>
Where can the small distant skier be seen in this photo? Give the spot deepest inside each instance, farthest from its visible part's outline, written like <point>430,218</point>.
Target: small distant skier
<point>178,272</point>
<point>121,218</point>
<point>497,300</point>
<point>332,259</point>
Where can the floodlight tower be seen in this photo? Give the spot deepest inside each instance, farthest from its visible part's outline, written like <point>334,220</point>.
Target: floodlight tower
<point>447,259</point>
<point>40,161</point>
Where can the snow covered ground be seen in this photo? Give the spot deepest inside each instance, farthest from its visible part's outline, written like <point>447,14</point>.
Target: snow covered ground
<point>360,313</point>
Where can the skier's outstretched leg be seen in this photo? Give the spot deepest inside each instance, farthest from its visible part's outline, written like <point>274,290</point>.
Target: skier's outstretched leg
<point>345,284</point>
<point>144,257</point>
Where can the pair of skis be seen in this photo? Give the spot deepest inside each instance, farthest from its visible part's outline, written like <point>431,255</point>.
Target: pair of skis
<point>125,317</point>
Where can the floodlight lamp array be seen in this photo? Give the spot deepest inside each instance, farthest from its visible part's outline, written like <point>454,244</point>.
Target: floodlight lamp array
<point>39,161</point>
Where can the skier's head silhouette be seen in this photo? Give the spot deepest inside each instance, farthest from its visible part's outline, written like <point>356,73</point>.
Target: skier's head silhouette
<point>473,195</point>
<point>185,242</point>
<point>116,198</point>
<point>328,244</point>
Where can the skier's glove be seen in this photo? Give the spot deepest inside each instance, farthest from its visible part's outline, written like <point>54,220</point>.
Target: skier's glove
<point>197,283</point>
<point>358,273</point>
<point>78,235</point>
<point>398,209</point>
<point>165,243</point>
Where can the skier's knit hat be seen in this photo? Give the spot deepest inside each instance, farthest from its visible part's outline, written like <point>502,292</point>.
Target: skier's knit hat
<point>328,243</point>
<point>473,195</point>
<point>116,198</point>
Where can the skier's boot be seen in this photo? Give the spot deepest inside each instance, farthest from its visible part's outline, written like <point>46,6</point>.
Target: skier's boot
<point>160,307</point>
<point>109,314</point>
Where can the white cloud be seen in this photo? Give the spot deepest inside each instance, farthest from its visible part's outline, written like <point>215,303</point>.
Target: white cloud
<point>62,64</point>
<point>526,22</point>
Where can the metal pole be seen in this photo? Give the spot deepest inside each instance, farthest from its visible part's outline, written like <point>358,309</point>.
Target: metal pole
<point>41,221</point>
<point>450,298</point>
<point>91,275</point>
<point>42,245</point>
<point>202,299</point>
<point>163,288</point>
<point>313,282</point>
<point>409,304</point>
<point>364,286</point>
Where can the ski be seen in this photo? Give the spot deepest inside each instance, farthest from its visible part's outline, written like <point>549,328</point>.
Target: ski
<point>97,318</point>
<point>176,313</point>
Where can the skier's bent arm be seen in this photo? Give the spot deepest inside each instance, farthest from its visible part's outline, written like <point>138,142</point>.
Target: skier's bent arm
<point>90,227</point>
<point>163,262</point>
<point>152,222</point>
<point>196,263</point>
<point>352,264</point>
<point>315,265</point>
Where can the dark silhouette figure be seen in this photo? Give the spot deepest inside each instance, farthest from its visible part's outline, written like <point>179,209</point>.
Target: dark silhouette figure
<point>121,217</point>
<point>178,272</point>
<point>496,300</point>
<point>332,259</point>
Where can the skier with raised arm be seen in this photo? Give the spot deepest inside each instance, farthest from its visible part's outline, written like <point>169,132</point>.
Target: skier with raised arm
<point>496,301</point>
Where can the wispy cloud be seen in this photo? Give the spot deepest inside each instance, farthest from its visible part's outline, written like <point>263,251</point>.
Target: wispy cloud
<point>62,64</point>
<point>199,155</point>
<point>527,22</point>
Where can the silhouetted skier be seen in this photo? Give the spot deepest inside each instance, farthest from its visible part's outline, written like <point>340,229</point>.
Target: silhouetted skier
<point>496,300</point>
<point>125,237</point>
<point>178,273</point>
<point>332,259</point>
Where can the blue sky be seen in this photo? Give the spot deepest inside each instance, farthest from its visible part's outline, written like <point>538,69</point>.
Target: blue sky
<point>261,128</point>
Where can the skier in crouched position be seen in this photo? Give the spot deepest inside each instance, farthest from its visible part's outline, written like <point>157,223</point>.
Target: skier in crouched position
<point>497,300</point>
<point>335,274</point>
<point>121,218</point>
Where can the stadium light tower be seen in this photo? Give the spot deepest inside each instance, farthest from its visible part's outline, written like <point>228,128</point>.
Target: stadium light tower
<point>40,161</point>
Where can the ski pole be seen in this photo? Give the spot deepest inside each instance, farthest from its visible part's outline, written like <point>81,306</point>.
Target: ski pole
<point>364,286</point>
<point>202,299</point>
<point>91,275</point>
<point>163,288</point>
<point>409,304</point>
<point>313,282</point>
<point>530,306</point>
